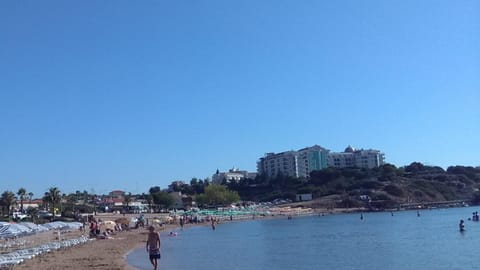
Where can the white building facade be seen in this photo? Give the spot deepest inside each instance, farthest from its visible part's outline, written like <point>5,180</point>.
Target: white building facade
<point>352,158</point>
<point>293,163</point>
<point>233,175</point>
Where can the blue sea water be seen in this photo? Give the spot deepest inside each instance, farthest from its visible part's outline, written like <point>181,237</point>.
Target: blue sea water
<point>403,241</point>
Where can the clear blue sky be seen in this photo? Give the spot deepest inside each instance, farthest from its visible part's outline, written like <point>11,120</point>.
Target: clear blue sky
<point>104,95</point>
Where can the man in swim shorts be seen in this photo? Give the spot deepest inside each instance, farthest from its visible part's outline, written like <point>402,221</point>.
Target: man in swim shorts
<point>153,246</point>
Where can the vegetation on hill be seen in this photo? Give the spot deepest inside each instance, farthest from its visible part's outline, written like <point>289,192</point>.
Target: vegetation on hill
<point>383,187</point>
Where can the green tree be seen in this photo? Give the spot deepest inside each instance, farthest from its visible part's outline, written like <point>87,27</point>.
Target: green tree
<point>22,193</point>
<point>218,194</point>
<point>197,186</point>
<point>33,213</point>
<point>52,197</point>
<point>149,199</point>
<point>127,199</point>
<point>415,167</point>
<point>232,197</point>
<point>201,199</point>
<point>154,189</point>
<point>86,197</point>
<point>71,201</point>
<point>162,198</point>
<point>7,200</point>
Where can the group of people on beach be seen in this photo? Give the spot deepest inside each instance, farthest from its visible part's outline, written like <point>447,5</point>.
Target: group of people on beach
<point>95,231</point>
<point>94,228</point>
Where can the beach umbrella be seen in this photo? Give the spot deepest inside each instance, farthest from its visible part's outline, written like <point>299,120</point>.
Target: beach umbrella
<point>156,220</point>
<point>12,230</point>
<point>110,225</point>
<point>21,229</point>
<point>124,221</point>
<point>4,228</point>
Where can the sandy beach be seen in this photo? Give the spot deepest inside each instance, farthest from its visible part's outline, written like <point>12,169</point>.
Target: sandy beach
<point>99,254</point>
<point>95,254</point>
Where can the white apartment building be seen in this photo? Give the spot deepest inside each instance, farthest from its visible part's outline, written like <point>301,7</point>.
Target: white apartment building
<point>356,158</point>
<point>233,174</point>
<point>293,163</point>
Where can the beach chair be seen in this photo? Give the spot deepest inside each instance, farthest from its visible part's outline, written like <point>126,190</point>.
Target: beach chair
<point>8,262</point>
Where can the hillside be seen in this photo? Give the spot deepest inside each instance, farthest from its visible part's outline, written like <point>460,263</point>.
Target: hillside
<point>378,188</point>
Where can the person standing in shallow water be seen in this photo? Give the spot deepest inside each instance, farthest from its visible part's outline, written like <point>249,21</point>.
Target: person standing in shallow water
<point>153,247</point>
<point>213,223</point>
<point>461,226</point>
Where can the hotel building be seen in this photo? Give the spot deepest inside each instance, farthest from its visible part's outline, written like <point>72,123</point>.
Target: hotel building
<point>293,163</point>
<point>351,158</point>
<point>233,175</point>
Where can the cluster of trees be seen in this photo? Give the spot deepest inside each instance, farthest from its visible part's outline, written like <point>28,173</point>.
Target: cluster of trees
<point>158,199</point>
<point>204,195</point>
<point>9,199</point>
<point>55,201</point>
<point>52,198</point>
<point>215,195</point>
<point>196,186</point>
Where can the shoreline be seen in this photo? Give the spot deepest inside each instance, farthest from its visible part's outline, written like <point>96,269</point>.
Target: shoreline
<point>107,254</point>
<point>187,226</point>
<point>99,254</point>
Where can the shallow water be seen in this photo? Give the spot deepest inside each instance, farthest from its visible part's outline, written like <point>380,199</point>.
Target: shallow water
<point>379,241</point>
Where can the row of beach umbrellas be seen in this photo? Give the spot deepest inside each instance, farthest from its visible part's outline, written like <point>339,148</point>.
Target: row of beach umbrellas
<point>227,212</point>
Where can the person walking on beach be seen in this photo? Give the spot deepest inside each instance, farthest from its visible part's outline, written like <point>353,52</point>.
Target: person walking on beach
<point>153,246</point>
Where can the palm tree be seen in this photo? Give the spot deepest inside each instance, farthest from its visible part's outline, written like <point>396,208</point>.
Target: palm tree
<point>33,212</point>
<point>72,200</point>
<point>30,196</point>
<point>77,195</point>
<point>7,200</point>
<point>52,197</point>
<point>148,197</point>
<point>21,195</point>
<point>127,199</point>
